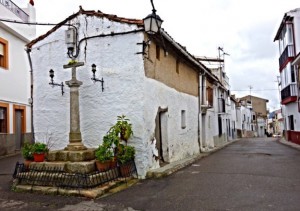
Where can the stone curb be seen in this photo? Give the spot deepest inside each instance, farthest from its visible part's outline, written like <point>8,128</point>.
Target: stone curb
<point>108,189</point>
<point>289,144</point>
<point>177,165</point>
<point>9,155</point>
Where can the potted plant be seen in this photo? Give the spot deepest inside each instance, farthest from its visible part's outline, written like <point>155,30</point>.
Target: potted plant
<point>104,156</point>
<point>123,128</point>
<point>27,153</point>
<point>39,151</point>
<point>126,155</point>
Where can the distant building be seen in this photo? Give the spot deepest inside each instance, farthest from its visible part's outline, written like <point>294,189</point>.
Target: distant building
<point>259,114</point>
<point>288,39</point>
<point>15,93</point>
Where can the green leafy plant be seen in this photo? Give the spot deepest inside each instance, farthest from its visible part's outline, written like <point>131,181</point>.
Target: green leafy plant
<point>27,151</point>
<point>125,153</point>
<point>39,148</point>
<point>123,128</point>
<point>104,153</point>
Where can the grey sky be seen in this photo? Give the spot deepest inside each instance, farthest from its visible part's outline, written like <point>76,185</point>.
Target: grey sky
<point>245,29</point>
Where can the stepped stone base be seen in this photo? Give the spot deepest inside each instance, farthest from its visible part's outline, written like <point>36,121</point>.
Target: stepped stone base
<point>109,188</point>
<point>82,167</point>
<point>73,156</point>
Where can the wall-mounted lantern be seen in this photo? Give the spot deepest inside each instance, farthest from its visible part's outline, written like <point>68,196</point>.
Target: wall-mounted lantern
<point>152,22</point>
<point>52,83</point>
<point>94,79</point>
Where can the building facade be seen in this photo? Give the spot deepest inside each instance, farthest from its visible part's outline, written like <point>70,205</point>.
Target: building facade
<point>15,93</point>
<point>156,84</point>
<point>288,39</point>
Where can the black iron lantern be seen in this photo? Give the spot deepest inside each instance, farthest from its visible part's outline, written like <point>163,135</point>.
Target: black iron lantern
<point>51,74</point>
<point>52,83</point>
<point>94,79</point>
<point>152,22</point>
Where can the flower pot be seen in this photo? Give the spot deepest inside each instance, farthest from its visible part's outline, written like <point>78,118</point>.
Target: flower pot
<point>39,157</point>
<point>103,166</point>
<point>126,169</point>
<point>113,163</point>
<point>27,164</point>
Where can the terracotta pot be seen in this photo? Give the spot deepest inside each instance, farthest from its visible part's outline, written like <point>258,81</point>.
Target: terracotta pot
<point>113,163</point>
<point>39,157</point>
<point>27,164</point>
<point>125,169</point>
<point>103,166</point>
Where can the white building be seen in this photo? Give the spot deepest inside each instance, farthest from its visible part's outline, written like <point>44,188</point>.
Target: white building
<point>155,84</point>
<point>288,38</point>
<point>15,110</point>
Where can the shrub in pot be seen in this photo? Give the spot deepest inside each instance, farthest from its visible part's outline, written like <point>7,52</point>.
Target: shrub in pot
<point>126,154</point>
<point>122,128</point>
<point>104,156</point>
<point>39,151</point>
<point>27,153</point>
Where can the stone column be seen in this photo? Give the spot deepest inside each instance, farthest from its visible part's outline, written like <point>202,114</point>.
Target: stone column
<point>75,140</point>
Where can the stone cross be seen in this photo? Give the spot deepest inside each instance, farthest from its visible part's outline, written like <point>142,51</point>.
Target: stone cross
<point>75,140</point>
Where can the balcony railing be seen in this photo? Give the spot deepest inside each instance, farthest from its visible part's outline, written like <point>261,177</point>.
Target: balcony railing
<point>287,53</point>
<point>289,91</point>
<point>221,105</point>
<point>15,9</point>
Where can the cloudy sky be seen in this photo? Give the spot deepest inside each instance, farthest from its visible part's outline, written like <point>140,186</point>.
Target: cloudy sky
<point>245,29</point>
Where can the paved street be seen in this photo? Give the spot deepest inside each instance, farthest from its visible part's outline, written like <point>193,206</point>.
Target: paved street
<point>251,174</point>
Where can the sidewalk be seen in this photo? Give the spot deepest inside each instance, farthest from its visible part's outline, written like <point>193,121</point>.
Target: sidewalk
<point>177,165</point>
<point>290,144</point>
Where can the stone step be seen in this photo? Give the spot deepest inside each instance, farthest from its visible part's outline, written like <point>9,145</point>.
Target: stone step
<point>82,167</point>
<point>73,156</point>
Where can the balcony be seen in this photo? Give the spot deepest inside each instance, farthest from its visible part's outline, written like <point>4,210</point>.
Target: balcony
<point>287,55</point>
<point>289,94</point>
<point>221,105</point>
<point>15,9</point>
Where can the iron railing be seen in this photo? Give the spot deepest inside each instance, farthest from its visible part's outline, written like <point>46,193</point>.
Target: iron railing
<point>287,53</point>
<point>289,91</point>
<point>57,177</point>
<point>15,9</point>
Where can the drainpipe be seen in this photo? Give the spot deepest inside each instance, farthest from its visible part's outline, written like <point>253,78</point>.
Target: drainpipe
<point>200,112</point>
<point>28,50</point>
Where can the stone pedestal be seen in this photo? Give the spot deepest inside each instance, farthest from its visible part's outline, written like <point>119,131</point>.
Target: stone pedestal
<point>75,140</point>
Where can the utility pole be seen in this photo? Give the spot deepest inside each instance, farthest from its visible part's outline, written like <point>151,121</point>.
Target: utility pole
<point>250,87</point>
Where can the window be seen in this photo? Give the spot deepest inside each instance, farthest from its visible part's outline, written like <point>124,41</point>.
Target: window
<point>183,119</point>
<point>177,66</point>
<point>3,53</point>
<point>4,121</point>
<point>157,52</point>
<point>220,125</point>
<point>293,73</point>
<point>209,96</point>
<point>291,122</point>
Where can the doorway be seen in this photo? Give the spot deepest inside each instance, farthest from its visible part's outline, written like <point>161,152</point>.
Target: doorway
<point>161,135</point>
<point>19,125</point>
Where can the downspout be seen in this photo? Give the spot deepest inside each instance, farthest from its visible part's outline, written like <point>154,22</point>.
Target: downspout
<point>200,111</point>
<point>28,50</point>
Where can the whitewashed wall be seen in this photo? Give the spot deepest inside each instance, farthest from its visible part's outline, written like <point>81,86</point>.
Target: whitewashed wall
<point>182,142</point>
<point>15,81</point>
<point>127,91</point>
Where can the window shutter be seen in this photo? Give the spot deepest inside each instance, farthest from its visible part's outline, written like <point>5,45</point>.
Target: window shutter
<point>1,49</point>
